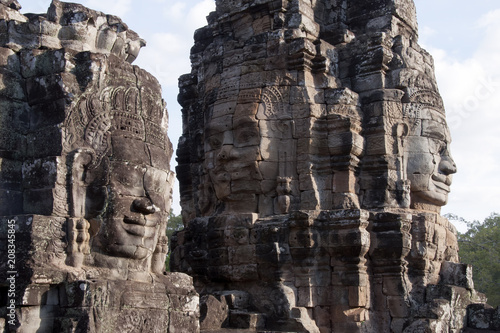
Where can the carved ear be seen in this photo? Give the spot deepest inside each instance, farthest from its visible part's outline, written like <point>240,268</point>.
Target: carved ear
<point>402,130</point>
<point>79,160</point>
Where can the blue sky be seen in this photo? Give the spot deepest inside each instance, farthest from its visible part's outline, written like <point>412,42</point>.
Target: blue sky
<point>462,35</point>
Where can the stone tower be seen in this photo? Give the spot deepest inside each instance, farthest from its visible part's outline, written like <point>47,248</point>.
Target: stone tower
<point>85,180</point>
<point>313,165</point>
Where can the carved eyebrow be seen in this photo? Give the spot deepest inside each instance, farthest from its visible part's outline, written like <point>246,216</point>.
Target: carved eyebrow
<point>245,121</point>
<point>219,125</point>
<point>433,129</point>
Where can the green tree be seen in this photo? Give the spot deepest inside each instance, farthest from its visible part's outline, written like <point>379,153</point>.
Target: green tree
<point>174,224</point>
<point>480,247</point>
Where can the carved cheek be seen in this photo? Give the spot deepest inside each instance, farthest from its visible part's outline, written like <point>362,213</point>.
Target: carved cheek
<point>157,185</point>
<point>222,184</point>
<point>421,163</point>
<point>210,159</point>
<point>420,168</point>
<point>247,136</point>
<point>127,179</point>
<point>419,183</point>
<point>120,206</point>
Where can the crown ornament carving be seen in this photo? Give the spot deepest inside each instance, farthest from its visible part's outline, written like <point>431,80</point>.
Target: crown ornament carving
<point>114,111</point>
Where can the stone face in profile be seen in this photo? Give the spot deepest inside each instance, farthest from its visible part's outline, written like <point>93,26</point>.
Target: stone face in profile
<point>430,165</point>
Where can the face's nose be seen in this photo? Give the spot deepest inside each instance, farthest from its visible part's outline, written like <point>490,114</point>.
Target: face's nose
<point>447,165</point>
<point>144,206</point>
<point>225,153</point>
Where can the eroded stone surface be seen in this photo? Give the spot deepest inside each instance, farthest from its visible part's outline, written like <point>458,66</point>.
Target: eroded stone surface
<point>313,165</point>
<point>85,179</point>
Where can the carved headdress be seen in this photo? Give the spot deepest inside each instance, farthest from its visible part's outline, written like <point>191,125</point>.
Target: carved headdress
<point>122,111</point>
<point>421,100</point>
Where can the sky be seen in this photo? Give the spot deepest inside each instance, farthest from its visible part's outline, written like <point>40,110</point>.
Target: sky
<point>462,35</point>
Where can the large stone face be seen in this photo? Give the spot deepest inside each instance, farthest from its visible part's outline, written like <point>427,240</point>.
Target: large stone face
<point>313,165</point>
<point>85,179</point>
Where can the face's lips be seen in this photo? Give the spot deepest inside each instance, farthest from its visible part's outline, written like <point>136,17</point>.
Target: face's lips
<point>139,226</point>
<point>442,182</point>
<point>140,220</point>
<point>139,230</point>
<point>221,175</point>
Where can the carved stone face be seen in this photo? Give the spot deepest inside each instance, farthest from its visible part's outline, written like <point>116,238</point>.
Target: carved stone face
<point>231,160</point>
<point>136,204</point>
<point>430,165</point>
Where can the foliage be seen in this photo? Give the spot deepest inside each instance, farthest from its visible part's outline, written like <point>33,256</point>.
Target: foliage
<point>174,224</point>
<point>480,247</point>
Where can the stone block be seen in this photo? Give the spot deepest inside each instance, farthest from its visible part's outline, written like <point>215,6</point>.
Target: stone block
<point>457,274</point>
<point>479,317</point>
<point>379,144</point>
<point>306,238</point>
<point>242,254</point>
<point>246,320</point>
<point>12,202</point>
<point>398,306</point>
<point>181,322</point>
<point>242,273</point>
<point>224,109</point>
<point>9,60</point>
<point>393,286</point>
<point>236,299</point>
<point>11,86</point>
<point>322,317</point>
<point>322,295</point>
<point>38,201</point>
<point>440,241</point>
<point>369,82</point>
<point>218,257</point>
<point>45,88</point>
<point>309,200</point>
<point>344,181</point>
<point>15,116</point>
<point>10,174</point>
<point>43,62</point>
<point>305,297</point>
<point>46,142</point>
<point>36,318</point>
<point>36,295</point>
<point>40,173</point>
<point>236,236</point>
<point>358,296</point>
<point>213,312</point>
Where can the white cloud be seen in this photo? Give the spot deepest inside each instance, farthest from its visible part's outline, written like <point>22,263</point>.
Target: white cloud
<point>34,6</point>
<point>471,91</point>
<point>424,33</point>
<point>116,7</point>
<point>198,13</point>
<point>166,57</point>
<point>190,15</point>
<point>489,19</point>
<point>175,11</point>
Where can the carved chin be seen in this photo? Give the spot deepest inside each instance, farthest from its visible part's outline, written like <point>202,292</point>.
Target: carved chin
<point>428,189</point>
<point>435,197</point>
<point>129,251</point>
